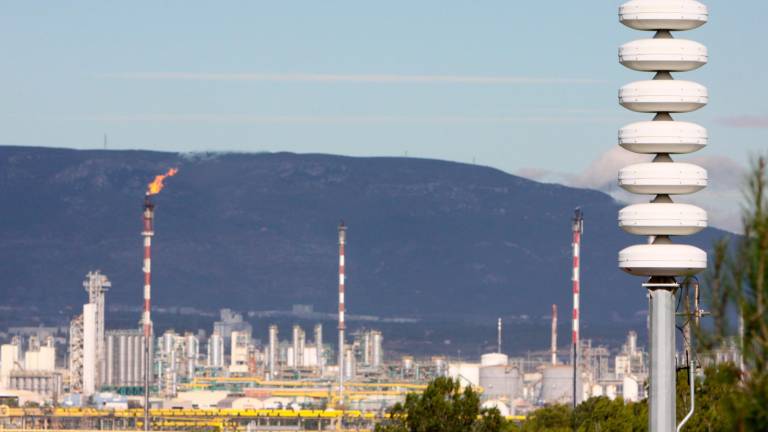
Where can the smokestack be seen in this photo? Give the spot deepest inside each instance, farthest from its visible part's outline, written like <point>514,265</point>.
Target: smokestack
<point>153,188</point>
<point>342,327</point>
<point>578,229</point>
<point>147,233</point>
<point>498,336</point>
<point>554,335</point>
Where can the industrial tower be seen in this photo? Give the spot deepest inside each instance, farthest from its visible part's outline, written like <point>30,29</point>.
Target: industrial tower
<point>661,261</point>
<point>96,285</point>
<point>577,228</point>
<point>342,327</point>
<point>146,320</point>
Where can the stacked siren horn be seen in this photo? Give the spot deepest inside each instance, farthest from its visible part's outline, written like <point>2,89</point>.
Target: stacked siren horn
<point>660,260</point>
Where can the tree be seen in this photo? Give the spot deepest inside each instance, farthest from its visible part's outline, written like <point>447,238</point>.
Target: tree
<point>553,418</point>
<point>443,407</point>
<point>739,279</point>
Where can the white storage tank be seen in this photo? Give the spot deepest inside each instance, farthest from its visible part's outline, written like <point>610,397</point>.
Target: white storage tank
<point>662,219</point>
<point>663,178</point>
<point>500,382</point>
<point>673,55</point>
<point>557,384</point>
<point>494,359</point>
<point>466,373</point>
<point>663,95</point>
<point>676,137</point>
<point>662,260</point>
<point>663,14</point>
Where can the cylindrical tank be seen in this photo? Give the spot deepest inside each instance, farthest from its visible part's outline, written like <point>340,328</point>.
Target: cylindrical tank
<point>319,346</point>
<point>557,384</point>
<point>272,351</point>
<point>494,359</point>
<point>500,382</point>
<point>350,366</point>
<point>440,365</point>
<point>377,350</point>
<point>407,363</point>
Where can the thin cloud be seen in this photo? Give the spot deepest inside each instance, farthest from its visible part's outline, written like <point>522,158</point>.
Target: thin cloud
<point>757,122</point>
<point>347,78</point>
<point>722,198</point>
<point>214,118</point>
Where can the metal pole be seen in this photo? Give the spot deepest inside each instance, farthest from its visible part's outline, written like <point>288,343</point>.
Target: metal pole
<point>661,416</point>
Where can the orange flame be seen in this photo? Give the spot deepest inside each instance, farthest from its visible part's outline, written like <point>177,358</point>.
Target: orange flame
<point>157,184</point>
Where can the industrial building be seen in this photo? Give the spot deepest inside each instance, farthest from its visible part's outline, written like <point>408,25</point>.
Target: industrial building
<point>125,364</point>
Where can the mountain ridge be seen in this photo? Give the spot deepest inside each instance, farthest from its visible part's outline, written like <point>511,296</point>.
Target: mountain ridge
<point>257,231</point>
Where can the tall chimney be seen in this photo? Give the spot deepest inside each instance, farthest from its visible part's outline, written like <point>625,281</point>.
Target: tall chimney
<point>147,233</point>
<point>342,327</point>
<point>578,229</point>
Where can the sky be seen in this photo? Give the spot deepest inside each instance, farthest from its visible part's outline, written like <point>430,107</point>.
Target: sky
<point>526,87</point>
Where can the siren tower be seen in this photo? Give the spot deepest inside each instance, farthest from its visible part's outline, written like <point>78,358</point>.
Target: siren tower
<point>660,260</point>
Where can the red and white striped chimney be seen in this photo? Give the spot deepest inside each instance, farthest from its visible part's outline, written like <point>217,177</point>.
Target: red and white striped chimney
<point>146,320</point>
<point>147,233</point>
<point>342,327</point>
<point>578,229</point>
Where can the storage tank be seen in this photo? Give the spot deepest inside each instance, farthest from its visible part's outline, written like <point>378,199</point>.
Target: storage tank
<point>407,362</point>
<point>557,384</point>
<point>440,365</point>
<point>494,359</point>
<point>500,382</point>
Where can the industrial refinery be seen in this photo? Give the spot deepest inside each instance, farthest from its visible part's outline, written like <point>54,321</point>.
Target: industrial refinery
<point>272,376</point>
<point>284,291</point>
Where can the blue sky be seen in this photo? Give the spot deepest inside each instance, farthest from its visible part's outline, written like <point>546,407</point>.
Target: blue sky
<point>527,87</point>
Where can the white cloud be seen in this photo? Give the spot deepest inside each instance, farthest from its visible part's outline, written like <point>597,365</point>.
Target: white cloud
<point>722,198</point>
<point>348,78</point>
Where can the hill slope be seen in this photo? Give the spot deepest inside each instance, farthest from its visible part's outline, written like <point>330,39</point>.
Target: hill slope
<point>258,231</point>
